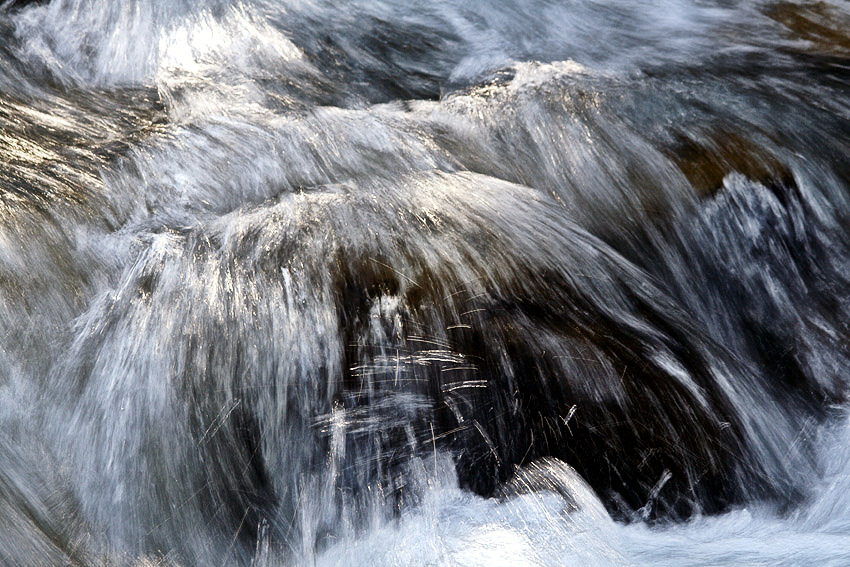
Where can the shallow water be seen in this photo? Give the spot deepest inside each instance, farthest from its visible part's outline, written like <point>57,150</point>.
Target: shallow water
<point>512,283</point>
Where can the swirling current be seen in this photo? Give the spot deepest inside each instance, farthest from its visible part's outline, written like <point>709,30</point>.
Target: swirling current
<point>394,283</point>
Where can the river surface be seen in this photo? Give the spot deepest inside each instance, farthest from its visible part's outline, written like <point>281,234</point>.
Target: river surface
<point>393,283</point>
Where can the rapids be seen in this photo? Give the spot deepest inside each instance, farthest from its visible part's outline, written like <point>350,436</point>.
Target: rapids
<point>378,282</point>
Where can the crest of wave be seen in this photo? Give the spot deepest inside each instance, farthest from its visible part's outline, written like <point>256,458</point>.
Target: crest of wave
<point>147,43</point>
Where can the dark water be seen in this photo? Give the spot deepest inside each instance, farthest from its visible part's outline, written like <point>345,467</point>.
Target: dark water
<point>445,283</point>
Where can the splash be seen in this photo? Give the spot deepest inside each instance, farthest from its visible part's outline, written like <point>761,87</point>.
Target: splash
<point>540,283</point>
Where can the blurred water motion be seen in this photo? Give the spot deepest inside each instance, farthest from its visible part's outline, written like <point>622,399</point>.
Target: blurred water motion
<point>374,283</point>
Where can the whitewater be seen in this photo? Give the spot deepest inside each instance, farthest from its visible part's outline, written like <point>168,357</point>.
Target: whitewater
<point>393,283</point>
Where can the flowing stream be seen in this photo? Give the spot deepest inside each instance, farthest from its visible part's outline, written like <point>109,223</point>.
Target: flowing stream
<point>392,283</point>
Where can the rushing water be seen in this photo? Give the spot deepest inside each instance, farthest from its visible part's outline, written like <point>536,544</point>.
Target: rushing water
<point>383,282</point>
